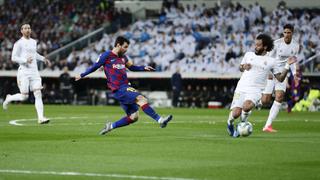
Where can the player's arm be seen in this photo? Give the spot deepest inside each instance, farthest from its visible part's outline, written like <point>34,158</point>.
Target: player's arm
<point>92,68</point>
<point>281,76</point>
<point>43,59</point>
<point>244,65</point>
<point>16,55</point>
<point>272,53</point>
<point>132,67</point>
<point>293,67</point>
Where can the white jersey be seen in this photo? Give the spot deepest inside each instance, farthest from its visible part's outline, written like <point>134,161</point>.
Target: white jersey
<point>255,79</point>
<point>282,51</point>
<point>22,50</point>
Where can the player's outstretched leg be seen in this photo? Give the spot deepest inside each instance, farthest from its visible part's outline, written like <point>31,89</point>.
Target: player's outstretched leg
<point>15,97</point>
<point>230,125</point>
<point>106,129</point>
<point>6,102</point>
<point>120,123</point>
<point>164,121</point>
<point>143,103</point>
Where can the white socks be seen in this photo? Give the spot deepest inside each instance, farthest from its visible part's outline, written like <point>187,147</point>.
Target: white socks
<point>17,97</point>
<point>38,103</point>
<point>230,118</point>
<point>244,116</point>
<point>273,113</point>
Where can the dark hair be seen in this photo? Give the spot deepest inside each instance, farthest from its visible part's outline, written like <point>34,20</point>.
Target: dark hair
<point>266,41</point>
<point>121,40</point>
<point>24,23</point>
<point>288,26</point>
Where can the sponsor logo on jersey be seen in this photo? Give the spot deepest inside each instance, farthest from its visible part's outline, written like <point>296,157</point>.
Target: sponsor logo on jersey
<point>118,66</point>
<point>283,57</point>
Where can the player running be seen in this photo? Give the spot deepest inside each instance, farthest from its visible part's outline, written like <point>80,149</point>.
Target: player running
<point>255,67</point>
<point>284,48</point>
<point>25,53</point>
<point>115,63</point>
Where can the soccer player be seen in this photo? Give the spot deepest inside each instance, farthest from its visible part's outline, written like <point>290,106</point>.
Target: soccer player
<point>115,63</point>
<point>284,48</point>
<point>255,67</point>
<point>25,53</point>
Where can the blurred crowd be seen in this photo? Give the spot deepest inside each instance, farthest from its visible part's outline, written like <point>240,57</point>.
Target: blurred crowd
<point>200,39</point>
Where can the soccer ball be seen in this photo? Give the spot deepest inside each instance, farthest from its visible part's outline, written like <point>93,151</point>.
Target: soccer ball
<point>244,128</point>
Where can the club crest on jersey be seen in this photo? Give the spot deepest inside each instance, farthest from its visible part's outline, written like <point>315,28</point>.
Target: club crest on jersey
<point>118,66</point>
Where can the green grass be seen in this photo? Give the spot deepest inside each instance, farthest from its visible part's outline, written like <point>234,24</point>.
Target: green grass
<point>194,146</point>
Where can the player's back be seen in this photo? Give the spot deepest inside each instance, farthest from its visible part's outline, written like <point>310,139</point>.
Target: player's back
<point>256,77</point>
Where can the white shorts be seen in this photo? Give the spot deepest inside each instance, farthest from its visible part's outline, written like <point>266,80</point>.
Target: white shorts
<point>274,84</point>
<point>240,97</point>
<point>28,82</point>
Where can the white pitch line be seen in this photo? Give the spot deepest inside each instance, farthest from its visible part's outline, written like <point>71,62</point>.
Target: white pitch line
<point>89,174</point>
<point>17,122</point>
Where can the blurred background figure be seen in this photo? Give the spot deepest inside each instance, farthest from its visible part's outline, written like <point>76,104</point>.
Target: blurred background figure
<point>65,86</point>
<point>176,82</point>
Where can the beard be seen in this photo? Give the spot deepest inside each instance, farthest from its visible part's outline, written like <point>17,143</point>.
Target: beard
<point>259,52</point>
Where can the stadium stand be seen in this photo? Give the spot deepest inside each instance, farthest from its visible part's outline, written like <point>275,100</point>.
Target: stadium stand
<point>196,38</point>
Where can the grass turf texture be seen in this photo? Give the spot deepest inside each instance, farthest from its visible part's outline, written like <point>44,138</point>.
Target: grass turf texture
<point>195,145</point>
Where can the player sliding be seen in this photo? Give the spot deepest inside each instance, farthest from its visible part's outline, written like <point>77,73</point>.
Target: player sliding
<point>115,63</point>
<point>255,67</point>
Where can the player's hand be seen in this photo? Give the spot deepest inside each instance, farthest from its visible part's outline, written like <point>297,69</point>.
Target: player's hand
<point>247,67</point>
<point>149,68</point>
<point>47,62</point>
<point>292,60</point>
<point>77,78</point>
<point>29,60</point>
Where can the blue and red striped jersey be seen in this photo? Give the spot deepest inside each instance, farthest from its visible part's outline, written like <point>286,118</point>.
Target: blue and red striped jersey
<point>114,69</point>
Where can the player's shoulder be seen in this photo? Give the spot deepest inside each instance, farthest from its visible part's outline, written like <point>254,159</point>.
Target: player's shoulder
<point>270,59</point>
<point>19,41</point>
<point>33,40</point>
<point>106,53</point>
<point>249,54</point>
<point>278,41</point>
<point>294,43</point>
<point>104,56</point>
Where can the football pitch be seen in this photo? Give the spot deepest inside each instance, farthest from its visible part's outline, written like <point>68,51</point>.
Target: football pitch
<point>194,146</point>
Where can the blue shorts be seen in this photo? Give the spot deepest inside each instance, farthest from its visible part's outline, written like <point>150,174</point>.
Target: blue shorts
<point>127,98</point>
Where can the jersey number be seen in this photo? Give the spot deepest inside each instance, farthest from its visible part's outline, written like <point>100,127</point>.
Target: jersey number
<point>131,89</point>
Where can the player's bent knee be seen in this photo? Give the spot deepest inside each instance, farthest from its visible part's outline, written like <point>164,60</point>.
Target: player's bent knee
<point>279,98</point>
<point>266,99</point>
<point>236,112</point>
<point>141,100</point>
<point>247,106</point>
<point>37,94</point>
<point>134,117</point>
<point>24,97</point>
